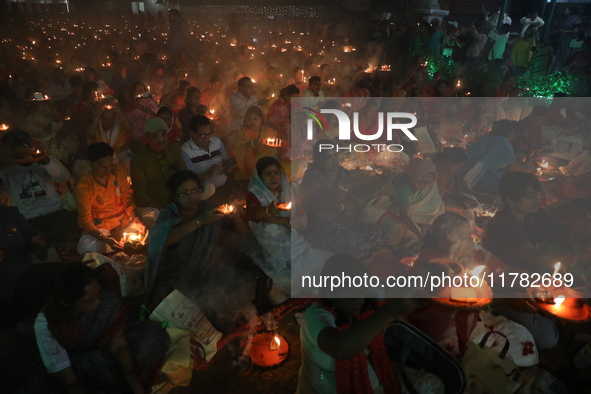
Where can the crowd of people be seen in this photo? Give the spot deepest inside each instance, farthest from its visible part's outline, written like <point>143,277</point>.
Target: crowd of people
<point>199,137</point>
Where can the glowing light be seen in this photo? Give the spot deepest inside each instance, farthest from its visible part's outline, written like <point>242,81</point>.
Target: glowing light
<point>558,301</point>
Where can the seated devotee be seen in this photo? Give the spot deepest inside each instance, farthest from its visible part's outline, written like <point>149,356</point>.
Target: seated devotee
<point>285,252</point>
<point>153,164</point>
<point>406,89</point>
<point>59,87</point>
<point>279,115</point>
<point>328,199</point>
<point>530,136</point>
<point>448,162</point>
<point>189,111</point>
<point>181,245</point>
<point>212,96</point>
<point>246,146</point>
<point>526,236</point>
<point>408,203</point>
<point>343,347</point>
<point>450,238</point>
<point>140,107</point>
<point>369,118</point>
<point>490,156</point>
<point>269,88</point>
<point>111,126</point>
<point>313,97</point>
<point>205,154</point>
<point>358,95</point>
<point>105,205</point>
<point>40,117</point>
<point>30,181</point>
<point>176,98</point>
<point>175,132</point>
<point>241,101</point>
<point>85,341</point>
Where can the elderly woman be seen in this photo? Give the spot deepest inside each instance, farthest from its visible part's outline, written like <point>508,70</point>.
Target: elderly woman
<point>85,342</point>
<point>246,145</point>
<point>408,203</point>
<point>285,252</point>
<point>327,195</point>
<point>490,157</point>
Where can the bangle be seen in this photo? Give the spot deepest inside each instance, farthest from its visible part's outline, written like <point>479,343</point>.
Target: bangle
<point>342,207</point>
<point>343,188</point>
<point>252,143</point>
<point>197,222</point>
<point>288,223</point>
<point>267,210</point>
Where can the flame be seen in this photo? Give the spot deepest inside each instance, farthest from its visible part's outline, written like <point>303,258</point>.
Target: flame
<point>557,266</point>
<point>559,300</point>
<point>277,340</point>
<point>4,127</point>
<point>544,164</point>
<point>284,205</point>
<point>226,209</point>
<point>478,270</point>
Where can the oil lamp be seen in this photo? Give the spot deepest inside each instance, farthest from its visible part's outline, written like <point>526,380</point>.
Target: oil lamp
<point>226,209</point>
<point>284,206</point>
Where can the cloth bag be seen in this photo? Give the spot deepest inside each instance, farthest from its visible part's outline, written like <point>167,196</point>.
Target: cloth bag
<point>130,286</point>
<point>178,364</point>
<point>181,313</point>
<point>568,147</point>
<point>488,371</point>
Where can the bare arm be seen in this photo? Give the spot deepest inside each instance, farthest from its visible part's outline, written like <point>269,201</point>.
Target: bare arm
<point>120,351</point>
<point>343,345</point>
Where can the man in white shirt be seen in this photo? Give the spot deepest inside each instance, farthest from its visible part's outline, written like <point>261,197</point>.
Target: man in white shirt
<point>205,154</point>
<point>499,42</point>
<point>313,97</point>
<point>532,19</point>
<point>242,100</point>
<point>492,19</point>
<point>30,182</point>
<point>59,87</point>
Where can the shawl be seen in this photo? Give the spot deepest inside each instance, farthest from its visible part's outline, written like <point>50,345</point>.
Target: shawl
<point>276,240</point>
<point>92,333</point>
<point>352,375</point>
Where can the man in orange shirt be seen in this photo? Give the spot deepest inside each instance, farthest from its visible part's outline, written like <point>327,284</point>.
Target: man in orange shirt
<point>105,205</point>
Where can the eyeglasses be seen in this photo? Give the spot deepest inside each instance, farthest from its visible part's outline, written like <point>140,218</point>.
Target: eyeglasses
<point>189,192</point>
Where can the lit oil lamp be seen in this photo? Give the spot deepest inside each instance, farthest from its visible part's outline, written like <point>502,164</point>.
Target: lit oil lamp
<point>108,106</point>
<point>284,206</point>
<point>226,209</point>
<point>268,349</point>
<point>4,127</point>
<point>133,240</point>
<point>556,268</point>
<point>273,142</point>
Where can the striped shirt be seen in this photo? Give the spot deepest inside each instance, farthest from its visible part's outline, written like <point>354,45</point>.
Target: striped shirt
<point>199,160</point>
